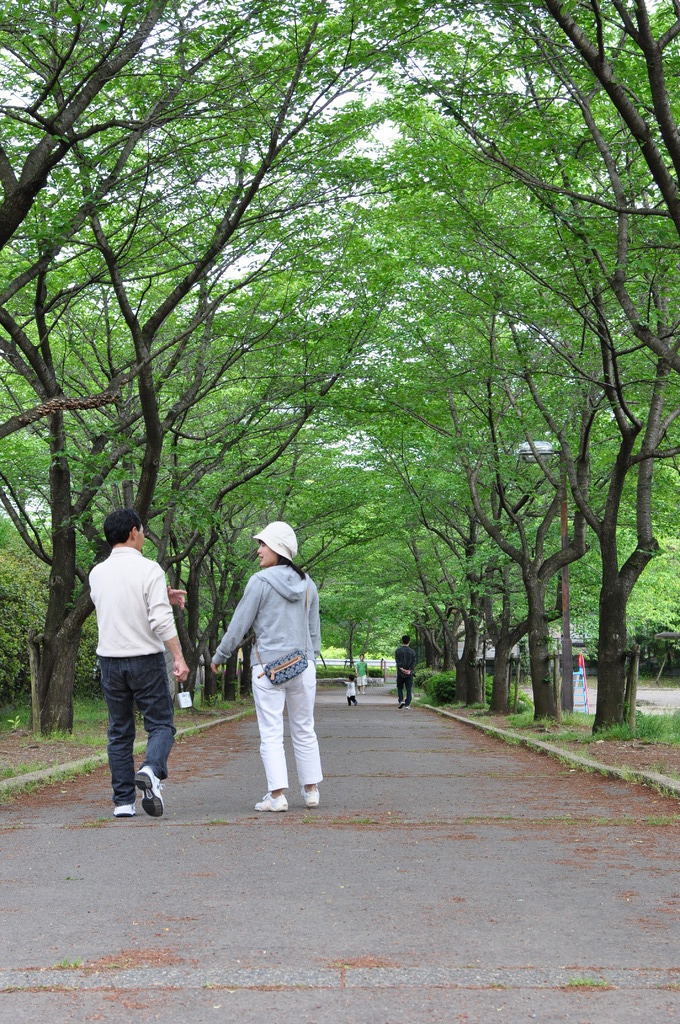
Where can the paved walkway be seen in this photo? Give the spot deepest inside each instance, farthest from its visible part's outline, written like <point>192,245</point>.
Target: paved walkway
<point>446,876</point>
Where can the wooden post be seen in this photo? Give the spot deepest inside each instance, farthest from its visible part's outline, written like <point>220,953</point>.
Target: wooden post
<point>557,689</point>
<point>518,674</point>
<point>508,679</point>
<point>632,685</point>
<point>34,640</point>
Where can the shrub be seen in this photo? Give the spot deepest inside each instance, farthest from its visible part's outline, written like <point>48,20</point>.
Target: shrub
<point>524,702</point>
<point>87,683</point>
<point>423,676</point>
<point>332,672</point>
<point>441,687</point>
<point>23,598</point>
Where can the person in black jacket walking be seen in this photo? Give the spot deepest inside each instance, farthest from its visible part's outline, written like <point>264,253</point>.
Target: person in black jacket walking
<point>405,658</point>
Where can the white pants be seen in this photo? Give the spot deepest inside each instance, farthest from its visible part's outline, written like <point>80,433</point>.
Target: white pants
<point>297,695</point>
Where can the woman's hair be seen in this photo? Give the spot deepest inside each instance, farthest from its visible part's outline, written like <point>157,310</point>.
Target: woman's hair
<point>286,561</point>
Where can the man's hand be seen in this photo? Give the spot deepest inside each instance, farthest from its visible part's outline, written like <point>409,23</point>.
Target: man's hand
<point>176,597</point>
<point>213,668</point>
<point>180,669</point>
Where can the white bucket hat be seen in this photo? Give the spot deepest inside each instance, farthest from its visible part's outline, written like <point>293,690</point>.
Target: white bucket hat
<point>280,537</point>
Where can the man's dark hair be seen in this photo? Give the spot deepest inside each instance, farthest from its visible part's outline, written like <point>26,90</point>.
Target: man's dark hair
<point>118,524</point>
<point>406,639</point>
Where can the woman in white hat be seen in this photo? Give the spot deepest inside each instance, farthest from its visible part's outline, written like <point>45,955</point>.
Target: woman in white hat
<point>281,605</point>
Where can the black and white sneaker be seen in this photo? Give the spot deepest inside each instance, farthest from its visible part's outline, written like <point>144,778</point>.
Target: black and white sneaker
<point>152,801</point>
<point>402,703</point>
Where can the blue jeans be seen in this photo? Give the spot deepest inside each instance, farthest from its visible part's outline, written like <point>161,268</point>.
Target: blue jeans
<point>143,681</point>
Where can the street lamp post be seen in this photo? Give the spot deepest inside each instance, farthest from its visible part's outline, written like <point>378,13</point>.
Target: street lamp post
<point>545,449</point>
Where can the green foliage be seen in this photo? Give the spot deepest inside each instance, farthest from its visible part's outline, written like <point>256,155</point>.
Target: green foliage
<point>619,731</point>
<point>663,728</point>
<point>524,701</point>
<point>23,598</point>
<point>87,683</point>
<point>424,675</point>
<point>24,583</point>
<point>332,672</point>
<point>522,720</point>
<point>352,269</point>
<point>333,652</point>
<point>440,687</point>
<point>654,606</point>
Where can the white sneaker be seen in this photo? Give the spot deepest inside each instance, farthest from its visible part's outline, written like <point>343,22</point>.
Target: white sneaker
<point>272,803</point>
<point>150,786</point>
<point>311,796</point>
<point>124,811</point>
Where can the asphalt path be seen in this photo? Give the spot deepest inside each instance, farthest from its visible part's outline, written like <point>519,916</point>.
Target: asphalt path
<point>446,876</point>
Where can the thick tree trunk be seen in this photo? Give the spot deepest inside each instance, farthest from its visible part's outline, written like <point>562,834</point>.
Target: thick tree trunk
<point>57,667</point>
<point>500,690</point>
<point>469,687</point>
<point>246,678</point>
<point>230,678</point>
<point>449,656</point>
<point>426,639</point>
<point>539,660</point>
<point>430,651</point>
<point>504,638</point>
<point>611,656</point>
<point>56,682</point>
<point>64,619</point>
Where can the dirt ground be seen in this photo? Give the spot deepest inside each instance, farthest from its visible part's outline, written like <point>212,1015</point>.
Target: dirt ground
<point>21,751</point>
<point>657,757</point>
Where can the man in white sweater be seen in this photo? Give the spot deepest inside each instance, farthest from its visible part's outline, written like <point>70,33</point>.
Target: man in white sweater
<point>136,624</point>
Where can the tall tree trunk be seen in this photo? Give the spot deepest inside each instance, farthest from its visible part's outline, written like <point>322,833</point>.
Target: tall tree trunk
<point>56,667</point>
<point>611,656</point>
<point>539,660</point>
<point>503,636</point>
<point>500,703</point>
<point>468,672</point>
<point>63,620</point>
<point>57,679</point>
<point>426,639</point>
<point>246,677</point>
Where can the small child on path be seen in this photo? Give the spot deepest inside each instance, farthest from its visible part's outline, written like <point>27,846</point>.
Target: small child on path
<point>351,690</point>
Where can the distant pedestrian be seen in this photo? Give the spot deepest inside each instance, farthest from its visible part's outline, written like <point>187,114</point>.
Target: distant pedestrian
<point>405,658</point>
<point>362,673</point>
<point>281,605</point>
<point>135,624</point>
<point>351,690</point>
<point>383,669</point>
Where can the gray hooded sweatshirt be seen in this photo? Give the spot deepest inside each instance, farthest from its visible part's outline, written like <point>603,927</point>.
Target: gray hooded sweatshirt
<point>282,609</point>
